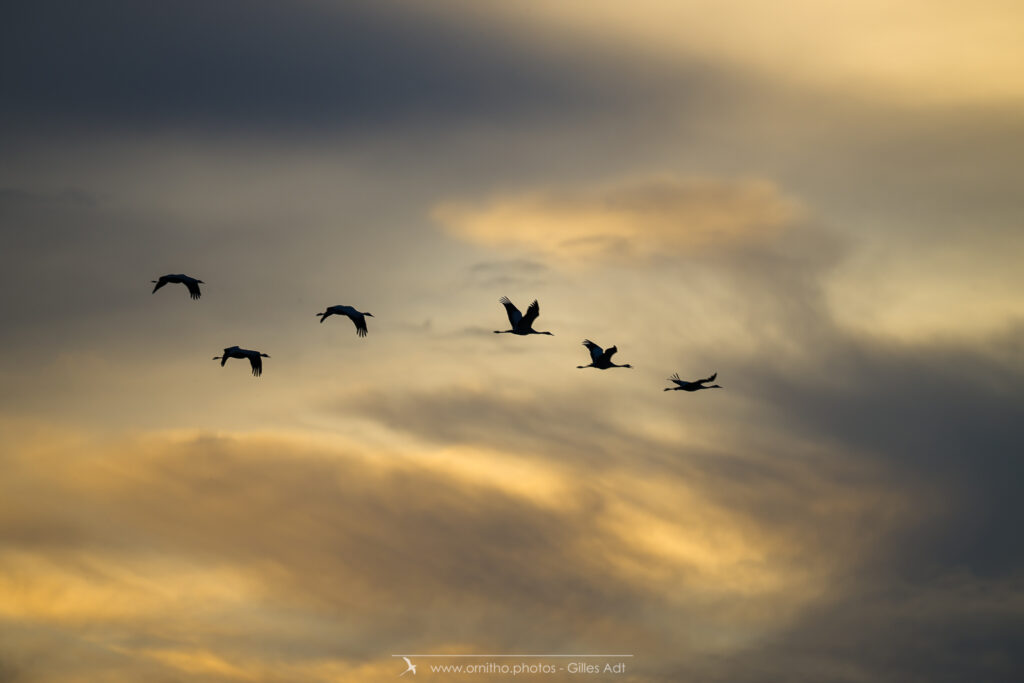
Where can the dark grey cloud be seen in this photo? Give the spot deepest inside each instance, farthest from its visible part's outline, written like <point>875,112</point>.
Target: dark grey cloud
<point>938,414</point>
<point>943,631</point>
<point>266,64</point>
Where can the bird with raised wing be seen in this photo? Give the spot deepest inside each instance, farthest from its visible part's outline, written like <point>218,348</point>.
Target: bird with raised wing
<point>521,324</point>
<point>255,358</point>
<point>601,358</point>
<point>409,667</point>
<point>359,319</point>
<point>695,385</point>
<point>190,282</point>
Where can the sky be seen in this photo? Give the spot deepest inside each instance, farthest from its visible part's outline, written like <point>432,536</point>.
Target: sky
<point>819,201</point>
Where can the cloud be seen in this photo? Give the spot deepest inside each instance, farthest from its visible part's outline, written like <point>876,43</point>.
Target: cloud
<point>867,48</point>
<point>630,220</point>
<point>259,66</point>
<point>935,420</point>
<point>963,629</point>
<point>938,414</point>
<point>845,510</point>
<point>305,557</point>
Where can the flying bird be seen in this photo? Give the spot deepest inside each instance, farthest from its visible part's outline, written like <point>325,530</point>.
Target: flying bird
<point>357,318</point>
<point>255,358</point>
<point>190,282</point>
<point>410,665</point>
<point>601,358</point>
<point>695,385</point>
<point>521,324</point>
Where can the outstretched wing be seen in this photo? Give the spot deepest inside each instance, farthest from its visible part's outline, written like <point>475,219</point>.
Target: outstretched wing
<point>595,350</point>
<point>606,357</point>
<point>257,364</point>
<point>159,283</point>
<point>193,288</point>
<point>408,663</point>
<point>514,316</point>
<point>708,379</point>
<point>675,378</point>
<point>532,311</point>
<point>360,321</point>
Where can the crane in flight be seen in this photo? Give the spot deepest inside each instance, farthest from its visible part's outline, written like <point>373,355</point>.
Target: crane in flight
<point>355,316</point>
<point>601,358</point>
<point>695,385</point>
<point>190,282</point>
<point>521,324</point>
<point>255,358</point>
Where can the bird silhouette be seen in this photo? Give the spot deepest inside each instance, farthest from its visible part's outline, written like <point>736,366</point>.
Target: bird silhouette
<point>255,358</point>
<point>521,324</point>
<point>695,385</point>
<point>357,318</point>
<point>190,282</point>
<point>601,358</point>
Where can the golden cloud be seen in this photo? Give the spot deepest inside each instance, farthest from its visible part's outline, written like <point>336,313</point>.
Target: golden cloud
<point>916,50</point>
<point>266,557</point>
<point>634,220</point>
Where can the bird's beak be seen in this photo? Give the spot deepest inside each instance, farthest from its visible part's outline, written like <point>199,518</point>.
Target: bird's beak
<point>370,314</point>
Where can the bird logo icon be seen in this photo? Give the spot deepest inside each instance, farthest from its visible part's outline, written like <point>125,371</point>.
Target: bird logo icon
<point>412,667</point>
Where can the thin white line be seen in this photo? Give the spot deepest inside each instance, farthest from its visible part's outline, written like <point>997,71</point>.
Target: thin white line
<point>512,655</point>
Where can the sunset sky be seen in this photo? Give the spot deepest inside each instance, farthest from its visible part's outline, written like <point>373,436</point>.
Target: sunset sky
<point>819,200</point>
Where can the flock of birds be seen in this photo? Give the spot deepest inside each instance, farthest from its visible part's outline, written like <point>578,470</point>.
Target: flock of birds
<point>521,325</point>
